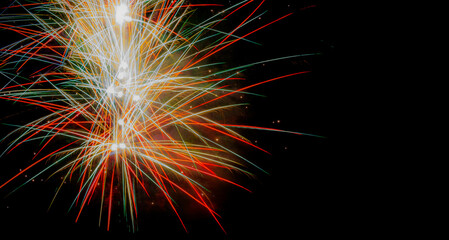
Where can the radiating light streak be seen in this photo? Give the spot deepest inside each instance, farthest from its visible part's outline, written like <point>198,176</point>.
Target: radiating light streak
<point>130,84</point>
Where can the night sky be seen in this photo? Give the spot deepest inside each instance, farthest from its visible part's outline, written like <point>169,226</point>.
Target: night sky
<point>299,198</point>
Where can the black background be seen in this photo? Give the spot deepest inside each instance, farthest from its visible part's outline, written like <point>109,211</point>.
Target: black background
<point>301,197</point>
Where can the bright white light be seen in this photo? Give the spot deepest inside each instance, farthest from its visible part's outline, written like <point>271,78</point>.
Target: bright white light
<point>121,75</point>
<point>123,65</point>
<point>136,98</point>
<point>110,90</point>
<point>120,94</point>
<point>122,70</point>
<point>114,147</point>
<point>121,122</point>
<point>120,14</point>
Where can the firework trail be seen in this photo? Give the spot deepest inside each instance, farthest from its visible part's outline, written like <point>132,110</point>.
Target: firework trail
<point>122,81</point>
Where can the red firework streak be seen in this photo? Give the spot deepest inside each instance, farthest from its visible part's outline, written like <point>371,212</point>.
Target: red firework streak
<point>125,83</point>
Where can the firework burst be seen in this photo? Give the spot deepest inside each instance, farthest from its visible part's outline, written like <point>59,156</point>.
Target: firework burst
<point>128,85</point>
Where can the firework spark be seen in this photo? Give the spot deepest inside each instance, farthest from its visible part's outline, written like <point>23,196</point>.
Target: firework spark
<point>125,83</point>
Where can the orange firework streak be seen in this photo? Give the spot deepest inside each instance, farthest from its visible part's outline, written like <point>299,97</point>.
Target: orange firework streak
<point>119,79</point>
